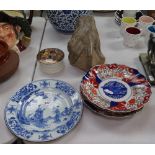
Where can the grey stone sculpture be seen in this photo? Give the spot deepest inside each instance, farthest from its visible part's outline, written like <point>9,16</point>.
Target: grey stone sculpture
<point>84,45</point>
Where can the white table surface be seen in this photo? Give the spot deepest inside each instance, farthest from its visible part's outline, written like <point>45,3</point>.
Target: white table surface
<point>93,128</point>
<point>22,76</point>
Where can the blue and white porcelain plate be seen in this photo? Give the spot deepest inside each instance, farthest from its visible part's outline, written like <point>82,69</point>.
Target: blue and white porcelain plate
<point>43,110</point>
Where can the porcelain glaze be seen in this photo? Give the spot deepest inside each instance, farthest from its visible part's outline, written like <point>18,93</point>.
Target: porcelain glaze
<point>43,110</point>
<point>116,88</point>
<point>144,22</point>
<point>131,36</point>
<point>65,20</point>
<point>119,14</point>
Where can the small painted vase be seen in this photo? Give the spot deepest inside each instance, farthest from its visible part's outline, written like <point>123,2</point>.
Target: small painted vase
<point>65,20</point>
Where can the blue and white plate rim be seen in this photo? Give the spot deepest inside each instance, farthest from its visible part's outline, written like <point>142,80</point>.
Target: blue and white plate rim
<point>78,121</point>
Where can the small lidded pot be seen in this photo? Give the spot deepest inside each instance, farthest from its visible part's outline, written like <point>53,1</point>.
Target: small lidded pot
<point>51,60</point>
<point>4,53</point>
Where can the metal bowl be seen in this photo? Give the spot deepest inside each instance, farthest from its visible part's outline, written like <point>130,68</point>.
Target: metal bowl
<point>51,60</point>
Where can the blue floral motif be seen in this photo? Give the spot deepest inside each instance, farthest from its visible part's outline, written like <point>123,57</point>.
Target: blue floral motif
<point>15,126</point>
<point>73,119</point>
<point>67,11</point>
<point>65,88</point>
<point>11,109</point>
<point>77,104</point>
<point>44,84</point>
<point>65,20</point>
<point>25,90</point>
<point>67,111</point>
<point>62,129</point>
<point>26,97</point>
<point>45,136</point>
<point>41,93</point>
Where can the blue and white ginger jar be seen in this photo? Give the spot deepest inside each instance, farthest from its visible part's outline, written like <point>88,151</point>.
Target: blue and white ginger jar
<point>65,20</point>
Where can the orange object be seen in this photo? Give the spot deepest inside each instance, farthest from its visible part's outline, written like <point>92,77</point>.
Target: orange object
<point>10,66</point>
<point>4,54</point>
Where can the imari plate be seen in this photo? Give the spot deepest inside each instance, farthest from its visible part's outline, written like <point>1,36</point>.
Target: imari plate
<point>106,113</point>
<point>43,110</point>
<point>116,88</point>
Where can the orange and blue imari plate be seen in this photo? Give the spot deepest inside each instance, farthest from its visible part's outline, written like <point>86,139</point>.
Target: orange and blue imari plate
<point>116,88</point>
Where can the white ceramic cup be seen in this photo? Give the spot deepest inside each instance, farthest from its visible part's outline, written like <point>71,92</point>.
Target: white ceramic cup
<point>149,30</point>
<point>131,36</point>
<point>127,22</point>
<point>144,22</point>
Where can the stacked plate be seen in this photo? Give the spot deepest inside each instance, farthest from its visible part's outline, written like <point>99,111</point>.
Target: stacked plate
<point>119,15</point>
<point>114,90</point>
<point>43,110</point>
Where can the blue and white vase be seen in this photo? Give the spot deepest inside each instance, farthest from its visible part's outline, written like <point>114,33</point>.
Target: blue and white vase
<point>65,20</point>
